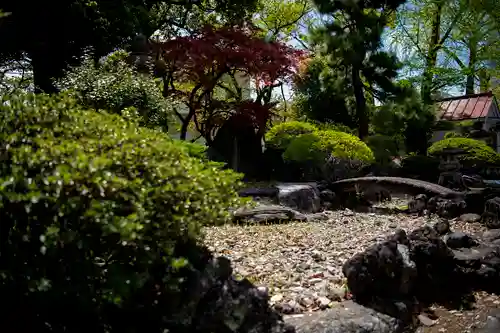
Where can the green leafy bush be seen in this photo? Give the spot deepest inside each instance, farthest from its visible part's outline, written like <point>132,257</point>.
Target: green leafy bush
<point>384,147</point>
<point>193,149</point>
<point>115,86</point>
<point>320,145</point>
<point>452,134</point>
<point>280,136</point>
<point>422,167</point>
<point>100,218</point>
<point>330,126</point>
<point>476,152</point>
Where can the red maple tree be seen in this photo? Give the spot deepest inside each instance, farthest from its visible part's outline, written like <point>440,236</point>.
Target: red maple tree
<point>205,58</point>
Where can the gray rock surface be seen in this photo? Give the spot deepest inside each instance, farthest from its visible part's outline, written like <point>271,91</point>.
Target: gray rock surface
<point>267,214</point>
<point>303,197</point>
<point>492,325</point>
<point>470,217</point>
<point>457,239</point>
<point>349,317</point>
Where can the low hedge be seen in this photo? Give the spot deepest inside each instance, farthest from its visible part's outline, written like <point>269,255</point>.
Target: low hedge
<point>100,219</point>
<point>281,135</point>
<point>476,152</point>
<point>320,145</point>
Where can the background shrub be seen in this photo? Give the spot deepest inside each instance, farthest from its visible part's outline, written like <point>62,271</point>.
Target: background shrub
<point>100,219</point>
<point>193,149</point>
<point>114,86</point>
<point>452,134</point>
<point>476,152</point>
<point>420,167</point>
<point>280,136</point>
<point>384,147</point>
<point>330,126</point>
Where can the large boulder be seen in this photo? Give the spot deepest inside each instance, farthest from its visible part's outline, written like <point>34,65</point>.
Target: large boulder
<point>350,317</point>
<point>385,269</point>
<point>491,213</point>
<point>302,197</point>
<point>438,273</point>
<point>492,325</point>
<point>264,213</point>
<point>217,302</point>
<point>403,267</point>
<point>443,207</point>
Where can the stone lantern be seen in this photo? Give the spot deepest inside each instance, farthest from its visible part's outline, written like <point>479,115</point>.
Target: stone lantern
<point>450,167</point>
<point>139,53</point>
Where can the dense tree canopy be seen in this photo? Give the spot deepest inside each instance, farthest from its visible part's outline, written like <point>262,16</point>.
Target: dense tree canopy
<point>54,34</point>
<point>193,68</point>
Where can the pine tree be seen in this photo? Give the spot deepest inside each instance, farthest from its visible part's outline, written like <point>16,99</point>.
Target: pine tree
<point>353,42</point>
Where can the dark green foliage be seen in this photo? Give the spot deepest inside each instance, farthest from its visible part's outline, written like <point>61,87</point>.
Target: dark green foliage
<point>323,95</point>
<point>55,34</point>
<point>384,147</point>
<point>407,117</point>
<point>462,126</point>
<point>331,126</point>
<point>420,167</point>
<point>353,42</point>
<point>115,86</point>
<point>476,152</point>
<point>452,134</point>
<point>193,149</point>
<point>100,218</point>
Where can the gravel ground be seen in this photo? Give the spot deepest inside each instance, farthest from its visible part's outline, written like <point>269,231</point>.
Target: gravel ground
<point>300,264</point>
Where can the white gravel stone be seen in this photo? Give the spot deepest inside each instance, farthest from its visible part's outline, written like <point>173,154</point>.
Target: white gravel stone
<point>294,260</point>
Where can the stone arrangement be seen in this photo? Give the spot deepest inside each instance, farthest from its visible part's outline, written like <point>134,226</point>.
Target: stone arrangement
<point>392,281</point>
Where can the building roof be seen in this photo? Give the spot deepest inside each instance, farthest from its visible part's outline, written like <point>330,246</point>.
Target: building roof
<point>465,107</point>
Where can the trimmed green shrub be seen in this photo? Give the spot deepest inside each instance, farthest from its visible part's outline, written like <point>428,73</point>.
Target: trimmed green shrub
<point>320,145</point>
<point>280,136</point>
<point>100,218</point>
<point>475,151</point>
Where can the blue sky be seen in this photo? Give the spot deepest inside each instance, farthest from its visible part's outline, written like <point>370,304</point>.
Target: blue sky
<point>388,40</point>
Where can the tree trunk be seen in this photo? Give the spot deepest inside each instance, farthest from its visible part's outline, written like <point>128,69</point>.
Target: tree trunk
<point>184,129</point>
<point>469,85</point>
<point>185,123</point>
<point>42,77</point>
<point>361,114</point>
<point>431,57</point>
<point>484,80</point>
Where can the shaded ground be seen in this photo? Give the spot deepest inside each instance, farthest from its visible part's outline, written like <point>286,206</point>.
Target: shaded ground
<point>463,320</point>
